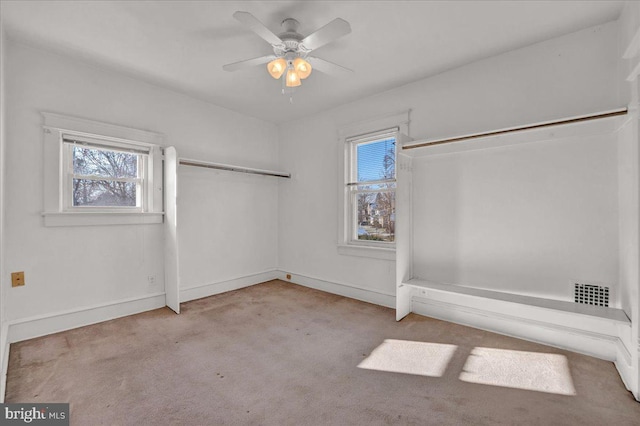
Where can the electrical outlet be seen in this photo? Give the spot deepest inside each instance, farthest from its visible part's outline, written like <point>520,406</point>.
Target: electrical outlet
<point>17,279</point>
<point>151,279</point>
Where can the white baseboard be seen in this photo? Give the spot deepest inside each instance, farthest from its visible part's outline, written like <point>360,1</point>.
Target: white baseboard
<point>29,328</point>
<point>348,290</point>
<point>550,329</point>
<point>4,356</point>
<point>636,379</point>
<point>205,290</point>
<point>624,365</point>
<point>545,330</point>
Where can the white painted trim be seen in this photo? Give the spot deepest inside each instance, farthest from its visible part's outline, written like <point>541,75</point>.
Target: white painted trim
<point>378,123</point>
<point>547,331</point>
<point>171,249</point>
<point>56,181</point>
<point>210,289</point>
<point>404,226</point>
<point>624,364</point>
<point>365,251</point>
<point>400,120</point>
<point>377,297</point>
<point>42,325</point>
<point>4,347</point>
<point>100,218</point>
<point>550,330</point>
<point>90,127</point>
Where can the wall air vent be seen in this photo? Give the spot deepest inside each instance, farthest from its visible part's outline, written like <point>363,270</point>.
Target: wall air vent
<point>589,294</point>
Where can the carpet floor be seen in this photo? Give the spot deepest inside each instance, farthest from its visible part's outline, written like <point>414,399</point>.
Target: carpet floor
<point>281,354</point>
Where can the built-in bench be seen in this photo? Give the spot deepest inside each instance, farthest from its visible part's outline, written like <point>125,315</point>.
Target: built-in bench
<point>593,330</point>
<point>613,314</point>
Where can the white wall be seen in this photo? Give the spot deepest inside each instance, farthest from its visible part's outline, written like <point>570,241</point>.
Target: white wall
<point>241,240</point>
<point>628,47</point>
<point>4,280</point>
<point>566,76</point>
<point>308,219</point>
<point>526,218</point>
<point>68,268</point>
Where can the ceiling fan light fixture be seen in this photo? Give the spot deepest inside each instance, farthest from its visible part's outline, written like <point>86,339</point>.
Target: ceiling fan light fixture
<point>277,67</point>
<point>290,49</point>
<point>302,67</point>
<point>293,79</point>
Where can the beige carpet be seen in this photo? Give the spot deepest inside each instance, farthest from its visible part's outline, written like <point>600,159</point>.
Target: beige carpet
<point>281,354</point>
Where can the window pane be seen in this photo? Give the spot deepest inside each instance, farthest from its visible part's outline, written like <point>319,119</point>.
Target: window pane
<point>104,193</point>
<point>98,162</point>
<point>376,216</point>
<point>376,160</point>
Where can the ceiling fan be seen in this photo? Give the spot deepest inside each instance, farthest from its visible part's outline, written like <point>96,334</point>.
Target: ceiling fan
<point>291,49</point>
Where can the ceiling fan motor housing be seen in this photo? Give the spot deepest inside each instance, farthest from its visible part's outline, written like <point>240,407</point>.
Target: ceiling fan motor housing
<point>290,39</point>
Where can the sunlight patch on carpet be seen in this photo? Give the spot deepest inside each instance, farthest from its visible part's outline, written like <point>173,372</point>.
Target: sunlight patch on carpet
<point>409,357</point>
<point>541,372</point>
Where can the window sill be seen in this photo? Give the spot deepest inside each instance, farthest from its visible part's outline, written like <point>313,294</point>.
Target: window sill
<point>100,218</point>
<point>367,251</point>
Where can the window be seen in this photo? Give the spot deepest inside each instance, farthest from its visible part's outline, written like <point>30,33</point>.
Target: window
<point>103,175</point>
<point>367,201</point>
<point>100,174</point>
<point>372,187</point>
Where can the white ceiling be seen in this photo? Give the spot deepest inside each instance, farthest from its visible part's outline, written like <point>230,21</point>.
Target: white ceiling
<point>182,45</point>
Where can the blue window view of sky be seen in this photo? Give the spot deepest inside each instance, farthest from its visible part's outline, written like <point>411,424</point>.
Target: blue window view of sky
<point>371,160</point>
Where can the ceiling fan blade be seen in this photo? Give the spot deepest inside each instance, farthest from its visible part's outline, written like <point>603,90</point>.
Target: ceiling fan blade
<point>328,67</point>
<point>248,63</point>
<point>257,27</point>
<point>330,32</point>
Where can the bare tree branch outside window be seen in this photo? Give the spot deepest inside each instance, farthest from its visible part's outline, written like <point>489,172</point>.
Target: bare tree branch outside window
<point>104,178</point>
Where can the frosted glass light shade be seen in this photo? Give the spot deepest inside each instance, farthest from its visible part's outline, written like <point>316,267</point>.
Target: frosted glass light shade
<point>302,67</point>
<point>293,79</point>
<point>277,67</point>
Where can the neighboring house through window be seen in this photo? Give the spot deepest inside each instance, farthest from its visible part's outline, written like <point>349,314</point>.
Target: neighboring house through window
<point>368,200</point>
<point>372,187</point>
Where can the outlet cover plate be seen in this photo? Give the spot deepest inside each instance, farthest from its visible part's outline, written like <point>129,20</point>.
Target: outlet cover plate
<point>17,279</point>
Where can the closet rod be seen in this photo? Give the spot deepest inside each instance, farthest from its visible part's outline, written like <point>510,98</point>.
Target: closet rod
<point>613,113</point>
<point>230,168</point>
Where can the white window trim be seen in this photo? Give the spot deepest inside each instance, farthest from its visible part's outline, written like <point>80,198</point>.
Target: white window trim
<point>56,213</point>
<point>345,245</point>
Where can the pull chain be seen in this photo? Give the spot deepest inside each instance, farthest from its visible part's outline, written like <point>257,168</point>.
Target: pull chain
<point>284,89</point>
